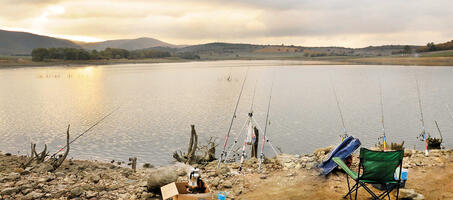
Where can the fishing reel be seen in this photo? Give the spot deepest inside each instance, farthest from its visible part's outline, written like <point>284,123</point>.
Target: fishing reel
<point>195,184</point>
<point>381,138</point>
<point>343,136</point>
<point>422,136</point>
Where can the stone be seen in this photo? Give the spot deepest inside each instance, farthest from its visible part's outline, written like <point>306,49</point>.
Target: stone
<point>227,184</point>
<point>95,178</point>
<point>181,172</point>
<point>222,170</point>
<point>147,195</point>
<point>45,167</point>
<point>124,196</point>
<point>91,194</point>
<point>237,191</point>
<point>9,190</point>
<point>33,195</point>
<point>410,194</point>
<point>76,192</point>
<point>59,174</point>
<point>215,182</point>
<point>310,165</point>
<point>26,191</point>
<point>13,176</point>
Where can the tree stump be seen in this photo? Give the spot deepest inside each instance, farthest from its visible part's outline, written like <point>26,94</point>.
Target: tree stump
<point>254,152</point>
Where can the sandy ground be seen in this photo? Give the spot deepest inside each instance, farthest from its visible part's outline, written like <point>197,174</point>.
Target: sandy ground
<point>433,182</point>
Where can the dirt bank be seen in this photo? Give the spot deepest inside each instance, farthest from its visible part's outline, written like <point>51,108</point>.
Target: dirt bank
<point>283,177</point>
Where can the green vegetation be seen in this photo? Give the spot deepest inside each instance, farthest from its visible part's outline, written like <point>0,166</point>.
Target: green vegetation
<point>41,54</point>
<point>439,54</point>
<point>436,47</point>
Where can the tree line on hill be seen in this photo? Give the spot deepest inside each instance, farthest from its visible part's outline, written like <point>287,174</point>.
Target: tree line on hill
<point>436,47</point>
<point>41,54</point>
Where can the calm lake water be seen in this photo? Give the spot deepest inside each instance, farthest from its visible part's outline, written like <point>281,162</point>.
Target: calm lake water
<point>158,103</point>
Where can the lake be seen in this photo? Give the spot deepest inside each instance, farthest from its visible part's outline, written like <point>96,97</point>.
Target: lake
<point>157,103</point>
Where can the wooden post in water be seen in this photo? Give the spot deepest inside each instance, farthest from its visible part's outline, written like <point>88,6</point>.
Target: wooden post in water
<point>133,161</point>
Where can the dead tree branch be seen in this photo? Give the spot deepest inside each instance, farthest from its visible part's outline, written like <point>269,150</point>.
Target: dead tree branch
<point>60,160</point>
<point>32,157</point>
<point>196,154</point>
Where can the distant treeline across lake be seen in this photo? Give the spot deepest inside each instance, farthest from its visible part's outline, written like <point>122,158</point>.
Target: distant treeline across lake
<point>41,54</point>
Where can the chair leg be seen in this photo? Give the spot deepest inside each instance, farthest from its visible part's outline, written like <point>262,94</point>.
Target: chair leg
<point>398,189</point>
<point>349,188</point>
<point>354,188</point>
<point>369,191</point>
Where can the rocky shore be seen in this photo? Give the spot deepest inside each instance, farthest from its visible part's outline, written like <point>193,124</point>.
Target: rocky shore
<point>282,177</point>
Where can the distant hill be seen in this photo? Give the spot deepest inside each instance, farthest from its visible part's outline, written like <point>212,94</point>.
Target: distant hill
<point>13,43</point>
<point>129,44</point>
<point>16,43</point>
<point>219,48</point>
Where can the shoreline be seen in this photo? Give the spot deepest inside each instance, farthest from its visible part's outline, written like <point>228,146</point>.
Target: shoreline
<point>283,177</point>
<point>338,60</point>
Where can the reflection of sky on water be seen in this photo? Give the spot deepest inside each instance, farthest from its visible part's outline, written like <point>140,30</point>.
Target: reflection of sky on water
<point>158,102</point>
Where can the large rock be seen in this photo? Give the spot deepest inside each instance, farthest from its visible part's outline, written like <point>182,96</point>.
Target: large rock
<point>410,194</point>
<point>164,175</point>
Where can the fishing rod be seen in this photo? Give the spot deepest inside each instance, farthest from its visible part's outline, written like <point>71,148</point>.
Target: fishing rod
<point>449,110</point>
<point>246,122</point>
<point>423,133</point>
<point>250,132</point>
<point>438,129</point>
<point>253,97</point>
<point>83,133</point>
<point>232,119</point>
<point>384,138</point>
<point>261,160</point>
<point>345,135</point>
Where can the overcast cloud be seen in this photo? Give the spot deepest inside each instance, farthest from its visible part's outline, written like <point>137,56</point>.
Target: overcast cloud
<point>352,23</point>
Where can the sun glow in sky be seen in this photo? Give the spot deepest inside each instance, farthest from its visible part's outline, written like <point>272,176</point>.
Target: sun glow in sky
<point>300,22</point>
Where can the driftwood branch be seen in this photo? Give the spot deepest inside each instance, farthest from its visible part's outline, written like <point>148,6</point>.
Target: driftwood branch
<point>196,154</point>
<point>32,157</point>
<point>192,145</point>
<point>41,156</point>
<point>56,163</point>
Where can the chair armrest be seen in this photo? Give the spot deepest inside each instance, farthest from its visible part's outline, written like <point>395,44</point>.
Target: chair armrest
<point>346,169</point>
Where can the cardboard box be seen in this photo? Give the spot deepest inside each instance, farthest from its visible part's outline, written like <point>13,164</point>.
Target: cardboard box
<point>179,192</point>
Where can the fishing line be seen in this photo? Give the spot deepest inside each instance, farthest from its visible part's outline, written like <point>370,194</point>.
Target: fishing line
<point>265,128</point>
<point>87,130</point>
<point>232,119</point>
<point>423,133</point>
<point>449,110</point>
<point>382,115</point>
<point>339,108</point>
<point>246,122</point>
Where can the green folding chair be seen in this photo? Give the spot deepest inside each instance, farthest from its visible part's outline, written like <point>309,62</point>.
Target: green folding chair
<point>375,167</point>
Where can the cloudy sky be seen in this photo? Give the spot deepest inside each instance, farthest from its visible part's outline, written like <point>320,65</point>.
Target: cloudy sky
<point>351,23</point>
